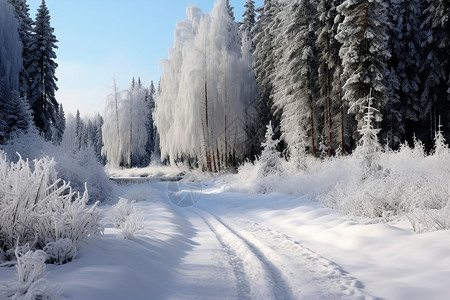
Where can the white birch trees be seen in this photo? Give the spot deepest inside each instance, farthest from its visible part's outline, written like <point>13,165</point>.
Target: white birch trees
<point>207,81</point>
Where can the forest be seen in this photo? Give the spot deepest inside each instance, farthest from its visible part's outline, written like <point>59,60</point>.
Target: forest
<point>344,102</point>
<point>311,68</point>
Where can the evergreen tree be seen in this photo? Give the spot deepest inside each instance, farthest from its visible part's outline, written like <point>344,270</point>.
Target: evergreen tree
<point>60,125</point>
<point>295,82</point>
<point>402,111</point>
<point>25,31</point>
<point>329,72</point>
<point>14,113</point>
<point>265,63</point>
<point>98,141</point>
<point>364,54</point>
<point>230,10</point>
<point>150,100</point>
<point>42,71</point>
<point>248,19</point>
<point>270,162</point>
<point>368,146</point>
<point>435,98</point>
<point>79,131</point>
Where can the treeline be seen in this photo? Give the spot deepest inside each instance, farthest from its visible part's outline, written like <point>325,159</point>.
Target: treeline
<point>317,63</point>
<point>129,135</point>
<point>27,73</point>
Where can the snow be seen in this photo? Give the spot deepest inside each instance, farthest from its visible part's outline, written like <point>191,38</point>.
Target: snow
<point>235,244</point>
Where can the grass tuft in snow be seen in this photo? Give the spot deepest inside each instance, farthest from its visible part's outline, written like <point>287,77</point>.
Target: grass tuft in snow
<point>127,219</point>
<point>40,209</point>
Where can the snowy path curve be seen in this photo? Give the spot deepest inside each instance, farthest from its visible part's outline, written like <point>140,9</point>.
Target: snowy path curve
<point>270,265</point>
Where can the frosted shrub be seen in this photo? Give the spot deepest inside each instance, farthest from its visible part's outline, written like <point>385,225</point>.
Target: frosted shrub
<point>416,185</point>
<point>120,212</point>
<point>31,283</point>
<point>78,167</point>
<point>61,251</point>
<point>38,208</point>
<point>125,218</point>
<point>131,226</point>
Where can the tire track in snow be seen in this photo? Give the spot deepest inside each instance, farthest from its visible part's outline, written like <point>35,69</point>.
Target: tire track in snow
<point>262,278</point>
<point>242,283</point>
<point>309,275</point>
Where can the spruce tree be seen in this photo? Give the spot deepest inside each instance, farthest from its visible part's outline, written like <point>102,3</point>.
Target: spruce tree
<point>329,72</point>
<point>295,81</point>
<point>42,72</point>
<point>402,112</point>
<point>264,64</point>
<point>79,131</point>
<point>22,12</point>
<point>60,125</point>
<point>14,113</point>
<point>364,55</point>
<point>248,19</point>
<point>270,162</point>
<point>435,98</point>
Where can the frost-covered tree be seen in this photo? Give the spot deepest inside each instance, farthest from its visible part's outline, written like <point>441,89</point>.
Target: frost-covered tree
<point>265,58</point>
<point>205,79</point>
<point>150,124</point>
<point>60,125</point>
<point>25,30</point>
<point>295,81</point>
<point>403,110</point>
<point>270,162</point>
<point>248,19</point>
<point>364,54</point>
<point>124,131</point>
<point>42,72</point>
<point>230,10</point>
<point>329,80</point>
<point>79,131</point>
<point>14,111</point>
<point>435,98</point>
<point>368,146</point>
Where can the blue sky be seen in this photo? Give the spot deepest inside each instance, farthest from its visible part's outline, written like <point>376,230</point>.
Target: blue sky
<point>104,39</point>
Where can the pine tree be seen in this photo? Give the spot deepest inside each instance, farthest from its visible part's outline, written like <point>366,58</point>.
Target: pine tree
<point>42,71</point>
<point>368,145</point>
<point>329,72</point>
<point>60,126</point>
<point>230,10</point>
<point>98,142</point>
<point>248,19</point>
<point>14,113</point>
<point>364,54</point>
<point>79,131</point>
<point>150,100</point>
<point>25,31</point>
<point>402,112</point>
<point>435,98</point>
<point>264,55</point>
<point>270,162</point>
<point>295,81</point>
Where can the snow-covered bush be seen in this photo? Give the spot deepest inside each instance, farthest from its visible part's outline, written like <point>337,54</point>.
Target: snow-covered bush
<point>31,283</point>
<point>61,251</point>
<point>78,167</point>
<point>415,185</point>
<point>38,208</point>
<point>125,217</point>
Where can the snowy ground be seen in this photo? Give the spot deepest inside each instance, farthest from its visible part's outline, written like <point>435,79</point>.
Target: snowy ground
<point>232,245</point>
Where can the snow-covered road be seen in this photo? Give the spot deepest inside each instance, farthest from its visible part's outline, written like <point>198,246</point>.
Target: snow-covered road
<point>262,263</point>
<point>206,241</point>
